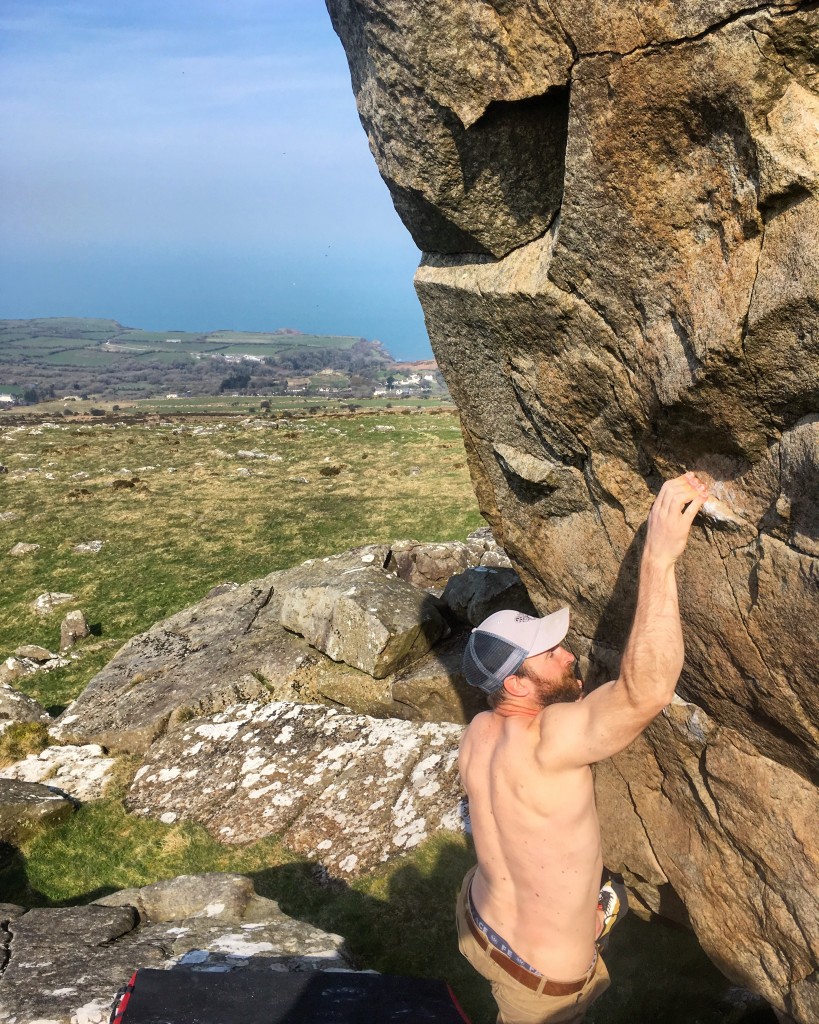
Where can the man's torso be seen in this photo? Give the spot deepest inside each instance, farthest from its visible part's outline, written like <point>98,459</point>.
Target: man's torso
<point>538,843</point>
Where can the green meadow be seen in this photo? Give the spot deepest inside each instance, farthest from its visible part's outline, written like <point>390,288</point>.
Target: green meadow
<point>231,495</point>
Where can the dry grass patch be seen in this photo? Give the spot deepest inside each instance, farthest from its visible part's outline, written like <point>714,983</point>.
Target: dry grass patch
<point>21,739</point>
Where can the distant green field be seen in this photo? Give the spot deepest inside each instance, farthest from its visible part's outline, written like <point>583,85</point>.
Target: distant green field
<point>46,342</point>
<point>155,337</point>
<point>79,357</point>
<point>280,341</point>
<point>64,341</point>
<point>75,327</point>
<point>222,405</point>
<point>114,363</point>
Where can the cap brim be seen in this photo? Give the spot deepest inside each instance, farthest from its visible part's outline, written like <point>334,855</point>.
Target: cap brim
<point>552,629</point>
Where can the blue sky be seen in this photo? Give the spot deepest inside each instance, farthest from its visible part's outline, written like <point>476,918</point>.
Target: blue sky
<point>194,165</point>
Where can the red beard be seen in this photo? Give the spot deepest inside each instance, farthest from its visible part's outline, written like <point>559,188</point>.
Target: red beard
<point>565,690</point>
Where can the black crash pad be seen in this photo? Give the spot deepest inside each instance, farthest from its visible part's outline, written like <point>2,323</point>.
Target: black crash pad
<point>182,996</point>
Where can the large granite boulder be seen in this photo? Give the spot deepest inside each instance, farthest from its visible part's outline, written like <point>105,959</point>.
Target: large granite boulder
<point>65,965</point>
<point>341,630</point>
<point>227,648</point>
<point>687,809</point>
<point>373,622</point>
<point>652,307</point>
<point>348,791</point>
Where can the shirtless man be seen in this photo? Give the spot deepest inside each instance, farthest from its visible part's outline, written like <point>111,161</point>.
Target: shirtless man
<point>528,917</point>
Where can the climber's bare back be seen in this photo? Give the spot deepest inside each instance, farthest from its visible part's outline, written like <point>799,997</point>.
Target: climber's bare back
<point>538,843</point>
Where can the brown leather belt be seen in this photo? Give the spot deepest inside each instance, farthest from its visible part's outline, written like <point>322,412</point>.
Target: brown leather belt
<point>535,982</point>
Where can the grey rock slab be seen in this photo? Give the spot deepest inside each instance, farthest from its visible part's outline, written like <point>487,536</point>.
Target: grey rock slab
<point>34,653</point>
<point>90,547</point>
<point>227,648</point>
<point>19,707</point>
<point>26,807</point>
<point>478,592</point>
<point>45,603</point>
<point>435,690</point>
<point>349,791</point>
<point>427,565</point>
<point>365,618</point>
<point>74,627</point>
<point>21,549</point>
<point>81,772</point>
<point>66,965</point>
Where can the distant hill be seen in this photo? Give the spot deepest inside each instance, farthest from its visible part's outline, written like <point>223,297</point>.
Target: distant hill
<point>60,356</point>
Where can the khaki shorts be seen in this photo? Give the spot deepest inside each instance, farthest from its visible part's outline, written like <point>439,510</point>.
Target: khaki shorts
<point>517,1003</point>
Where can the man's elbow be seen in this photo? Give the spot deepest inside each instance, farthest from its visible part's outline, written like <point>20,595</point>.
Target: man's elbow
<point>649,701</point>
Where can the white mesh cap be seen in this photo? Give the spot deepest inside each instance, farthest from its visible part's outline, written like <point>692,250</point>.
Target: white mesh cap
<point>500,645</point>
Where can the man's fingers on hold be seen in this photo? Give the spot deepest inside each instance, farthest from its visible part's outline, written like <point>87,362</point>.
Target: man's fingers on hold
<point>693,508</point>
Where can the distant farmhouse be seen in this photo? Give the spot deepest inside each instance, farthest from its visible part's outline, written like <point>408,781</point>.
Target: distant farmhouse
<point>8,400</point>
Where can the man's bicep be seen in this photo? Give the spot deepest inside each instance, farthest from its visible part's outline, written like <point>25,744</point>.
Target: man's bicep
<point>596,727</point>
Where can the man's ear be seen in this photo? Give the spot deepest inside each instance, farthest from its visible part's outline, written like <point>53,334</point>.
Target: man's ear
<point>518,686</point>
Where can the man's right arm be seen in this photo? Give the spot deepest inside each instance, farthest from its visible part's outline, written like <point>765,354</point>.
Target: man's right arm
<point>611,717</point>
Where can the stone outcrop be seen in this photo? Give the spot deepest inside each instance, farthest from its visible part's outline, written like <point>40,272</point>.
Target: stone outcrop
<point>74,627</point>
<point>619,212</point>
<point>80,772</point>
<point>477,593</point>
<point>345,790</point>
<point>65,965</point>
<point>375,623</point>
<point>687,809</point>
<point>19,707</point>
<point>347,630</point>
<point>28,806</point>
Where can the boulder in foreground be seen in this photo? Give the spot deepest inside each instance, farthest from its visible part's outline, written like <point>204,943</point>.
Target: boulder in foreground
<point>348,791</point>
<point>67,964</point>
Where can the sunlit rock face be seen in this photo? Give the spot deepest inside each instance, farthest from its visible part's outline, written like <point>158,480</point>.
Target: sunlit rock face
<point>618,206</point>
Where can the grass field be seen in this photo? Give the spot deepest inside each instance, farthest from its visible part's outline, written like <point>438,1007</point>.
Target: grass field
<point>221,405</point>
<point>195,519</point>
<point>199,514</point>
<point>34,338</point>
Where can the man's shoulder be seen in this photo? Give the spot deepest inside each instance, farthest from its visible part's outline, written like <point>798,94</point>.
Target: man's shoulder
<point>479,723</point>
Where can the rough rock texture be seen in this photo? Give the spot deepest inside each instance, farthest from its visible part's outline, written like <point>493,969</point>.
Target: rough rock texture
<point>435,690</point>
<point>27,806</point>
<point>45,603</point>
<point>345,790</point>
<point>477,593</point>
<point>66,965</point>
<point>373,622</point>
<point>652,307</point>
<point>232,646</point>
<point>34,653</point>
<point>81,772</point>
<point>74,627</point>
<point>687,809</point>
<point>427,565</point>
<point>23,549</point>
<point>19,707</point>
<point>227,647</point>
